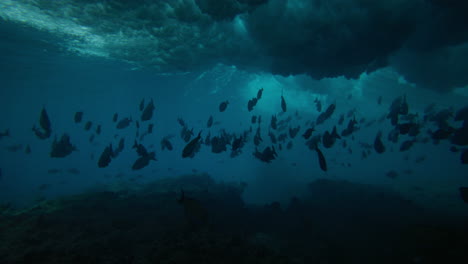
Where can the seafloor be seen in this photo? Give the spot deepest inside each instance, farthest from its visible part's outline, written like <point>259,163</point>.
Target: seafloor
<point>338,222</point>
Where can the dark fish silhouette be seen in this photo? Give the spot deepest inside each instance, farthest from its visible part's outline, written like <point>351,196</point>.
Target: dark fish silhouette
<point>378,144</point>
<point>257,138</point>
<point>150,128</point>
<point>326,115</point>
<point>115,117</point>
<point>143,161</point>
<point>142,104</point>
<point>267,155</point>
<point>254,119</point>
<point>460,136</point>
<point>88,125</point>
<point>5,134</point>
<point>78,117</point>
<point>259,94</point>
<point>27,150</point>
<point>462,114</point>
<point>308,133</point>
<point>45,131</point>
<point>464,194</point>
<point>318,105</point>
<point>190,149</point>
<point>283,104</point>
<point>272,137</point>
<point>166,144</point>
<point>223,106</point>
<point>98,129</point>
<point>106,157</point>
<point>273,122</point>
<point>119,148</point>
<point>123,123</point>
<point>62,148</point>
<point>14,148</point>
<point>252,103</point>
<point>464,157</point>
<point>341,120</point>
<point>148,111</point>
<point>44,120</point>
<point>210,122</point>
<point>392,174</point>
<point>293,131</point>
<point>321,159</point>
<point>406,145</point>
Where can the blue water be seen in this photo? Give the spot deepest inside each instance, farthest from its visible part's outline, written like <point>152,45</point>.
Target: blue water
<point>104,57</point>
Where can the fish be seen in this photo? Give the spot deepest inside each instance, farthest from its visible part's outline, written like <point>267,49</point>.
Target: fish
<point>273,122</point>
<point>464,157</point>
<point>308,133</point>
<point>123,123</point>
<point>44,120</point>
<point>88,125</point>
<point>210,122</point>
<point>406,145</point>
<point>283,104</point>
<point>350,128</point>
<point>378,144</point>
<point>218,144</point>
<point>462,114</point>
<point>379,100</point>
<point>289,145</point>
<point>251,104</point>
<point>186,134</point>
<point>115,117</point>
<point>267,155</point>
<point>98,129</point>
<point>441,133</point>
<point>318,105</point>
<point>106,157</point>
<point>190,149</point>
<point>207,140</point>
<point>293,131</point>
<point>223,106</point>
<point>142,104</point>
<point>460,136</point>
<point>253,120</point>
<point>321,159</point>
<point>119,148</point>
<point>464,194</point>
<point>392,174</point>
<point>272,137</point>
<point>78,117</point>
<point>143,161</point>
<point>45,129</point>
<point>148,111</point>
<point>53,171</point>
<point>326,115</point>
<point>257,137</point>
<point>259,94</point>
<point>150,128</point>
<point>62,148</point>
<point>73,171</point>
<point>27,150</point>
<point>5,134</point>
<point>341,120</point>
<point>166,144</point>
